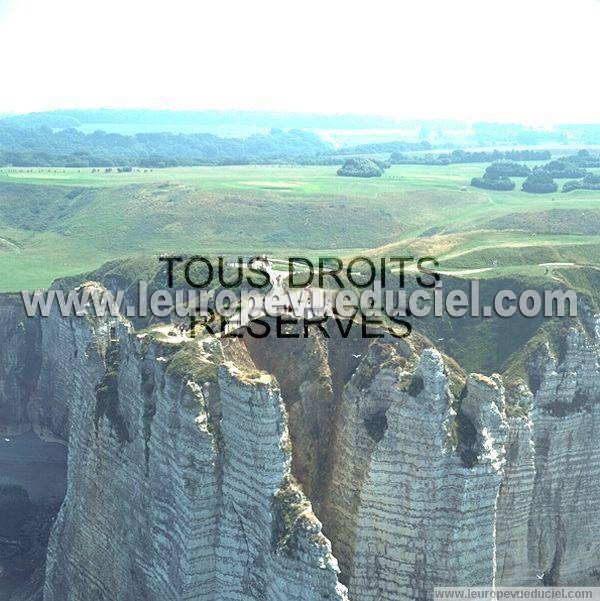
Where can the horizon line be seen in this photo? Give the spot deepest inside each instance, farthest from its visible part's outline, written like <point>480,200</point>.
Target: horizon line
<point>257,111</point>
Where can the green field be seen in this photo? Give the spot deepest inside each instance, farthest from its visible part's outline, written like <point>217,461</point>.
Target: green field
<point>57,222</point>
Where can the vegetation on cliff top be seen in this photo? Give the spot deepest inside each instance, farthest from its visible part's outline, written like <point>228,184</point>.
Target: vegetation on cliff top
<point>293,516</point>
<point>189,363</point>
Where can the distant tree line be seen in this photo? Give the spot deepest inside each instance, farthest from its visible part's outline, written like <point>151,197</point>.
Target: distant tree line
<point>37,145</point>
<point>582,158</point>
<point>583,133</point>
<point>486,134</point>
<point>540,179</point>
<point>465,156</point>
<point>384,148</point>
<point>590,182</point>
<point>561,169</point>
<point>41,146</point>
<point>444,132</point>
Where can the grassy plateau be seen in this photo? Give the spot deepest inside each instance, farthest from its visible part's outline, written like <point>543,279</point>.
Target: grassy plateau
<point>59,222</point>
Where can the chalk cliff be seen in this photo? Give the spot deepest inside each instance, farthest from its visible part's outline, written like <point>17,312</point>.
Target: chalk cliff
<point>407,512</point>
<point>179,478</point>
<point>20,358</point>
<point>565,507</point>
<point>234,470</point>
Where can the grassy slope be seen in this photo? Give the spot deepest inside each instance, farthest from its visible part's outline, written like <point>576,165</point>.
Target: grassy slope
<point>61,222</point>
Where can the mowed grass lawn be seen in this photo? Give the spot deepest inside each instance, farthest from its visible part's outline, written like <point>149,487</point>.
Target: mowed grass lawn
<point>56,222</point>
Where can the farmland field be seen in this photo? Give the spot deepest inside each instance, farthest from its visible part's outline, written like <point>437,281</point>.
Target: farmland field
<point>57,222</point>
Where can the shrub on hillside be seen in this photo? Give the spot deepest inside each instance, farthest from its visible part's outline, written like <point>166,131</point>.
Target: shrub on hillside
<point>539,182</point>
<point>493,183</point>
<point>360,168</point>
<point>589,182</point>
<point>506,168</point>
<point>562,169</point>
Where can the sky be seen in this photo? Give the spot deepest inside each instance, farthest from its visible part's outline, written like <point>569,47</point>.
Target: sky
<point>532,61</point>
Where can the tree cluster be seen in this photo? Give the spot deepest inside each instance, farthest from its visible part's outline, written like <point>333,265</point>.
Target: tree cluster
<point>562,169</point>
<point>539,182</point>
<point>41,146</point>
<point>584,159</point>
<point>464,156</point>
<point>506,168</point>
<point>357,167</point>
<point>590,182</point>
<point>500,183</point>
<point>385,147</point>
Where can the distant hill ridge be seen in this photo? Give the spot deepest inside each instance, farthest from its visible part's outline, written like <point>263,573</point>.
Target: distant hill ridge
<point>76,117</point>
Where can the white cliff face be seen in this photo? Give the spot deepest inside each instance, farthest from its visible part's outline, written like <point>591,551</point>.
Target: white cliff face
<point>181,484</point>
<point>270,543</point>
<point>138,520</point>
<point>549,508</point>
<point>176,489</point>
<point>513,567</point>
<point>521,507</point>
<point>515,503</point>
<point>420,518</point>
<point>565,512</point>
<point>19,364</point>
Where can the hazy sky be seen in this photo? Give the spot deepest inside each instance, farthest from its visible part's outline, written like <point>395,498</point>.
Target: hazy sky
<point>531,60</point>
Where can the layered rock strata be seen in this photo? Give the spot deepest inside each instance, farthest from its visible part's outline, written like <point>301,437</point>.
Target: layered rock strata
<point>192,467</point>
